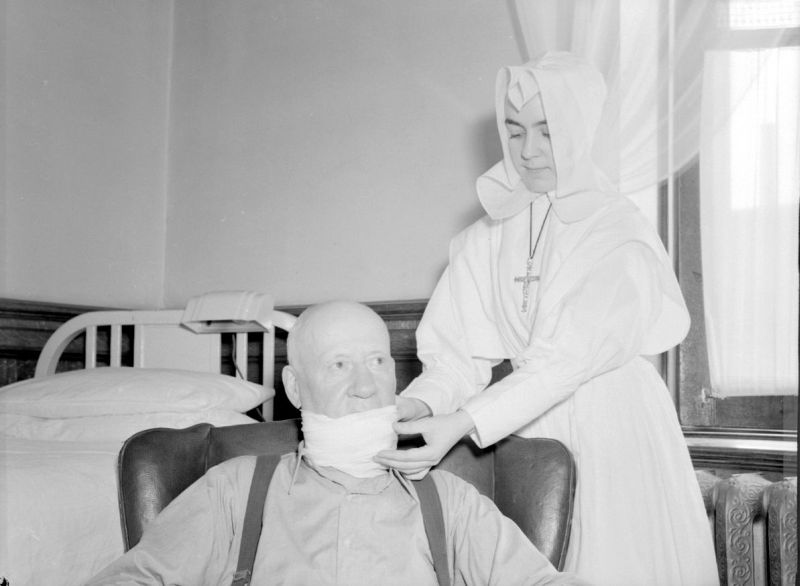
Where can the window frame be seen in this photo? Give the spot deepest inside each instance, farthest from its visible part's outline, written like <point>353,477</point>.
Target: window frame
<point>739,433</point>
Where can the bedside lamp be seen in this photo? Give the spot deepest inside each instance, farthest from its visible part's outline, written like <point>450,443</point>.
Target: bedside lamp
<point>233,311</point>
<point>240,312</point>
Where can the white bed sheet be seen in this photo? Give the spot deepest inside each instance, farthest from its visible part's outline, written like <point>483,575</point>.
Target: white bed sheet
<point>60,517</point>
<point>59,440</point>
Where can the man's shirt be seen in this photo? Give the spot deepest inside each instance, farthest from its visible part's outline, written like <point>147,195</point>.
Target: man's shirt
<point>324,527</point>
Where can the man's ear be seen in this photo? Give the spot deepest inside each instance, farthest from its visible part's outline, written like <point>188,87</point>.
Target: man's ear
<point>289,376</point>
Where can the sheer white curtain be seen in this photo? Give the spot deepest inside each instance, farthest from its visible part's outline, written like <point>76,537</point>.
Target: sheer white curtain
<point>651,123</point>
<point>750,186</point>
<point>666,81</point>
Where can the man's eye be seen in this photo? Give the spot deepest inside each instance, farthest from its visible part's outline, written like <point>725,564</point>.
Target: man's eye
<point>339,365</point>
<point>379,361</point>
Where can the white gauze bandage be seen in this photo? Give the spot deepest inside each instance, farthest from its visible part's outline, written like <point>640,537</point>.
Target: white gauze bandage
<point>350,442</point>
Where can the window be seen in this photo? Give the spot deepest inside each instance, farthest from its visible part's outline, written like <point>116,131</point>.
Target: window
<point>736,231</point>
<point>700,130</point>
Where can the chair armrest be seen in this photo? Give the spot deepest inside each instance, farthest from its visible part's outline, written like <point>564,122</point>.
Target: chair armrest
<point>535,486</point>
<point>155,466</point>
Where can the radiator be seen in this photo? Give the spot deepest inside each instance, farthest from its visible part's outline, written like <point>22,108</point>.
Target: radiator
<point>754,523</point>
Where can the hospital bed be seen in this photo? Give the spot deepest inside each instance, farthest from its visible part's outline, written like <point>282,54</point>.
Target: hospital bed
<point>61,431</point>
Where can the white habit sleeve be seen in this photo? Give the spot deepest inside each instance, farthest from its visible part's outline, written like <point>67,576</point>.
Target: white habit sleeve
<point>450,375</point>
<point>599,325</point>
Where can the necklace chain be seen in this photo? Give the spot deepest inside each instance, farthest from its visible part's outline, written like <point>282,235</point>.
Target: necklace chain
<point>531,244</point>
<point>529,277</point>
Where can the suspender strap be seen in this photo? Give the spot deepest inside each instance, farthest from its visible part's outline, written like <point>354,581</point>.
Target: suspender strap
<point>433,518</point>
<point>254,513</point>
<point>430,506</point>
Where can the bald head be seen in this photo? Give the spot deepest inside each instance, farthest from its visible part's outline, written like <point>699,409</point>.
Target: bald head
<point>334,319</point>
<point>339,360</point>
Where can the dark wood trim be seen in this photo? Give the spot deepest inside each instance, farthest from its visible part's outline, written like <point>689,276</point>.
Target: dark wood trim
<point>44,309</point>
<point>26,325</point>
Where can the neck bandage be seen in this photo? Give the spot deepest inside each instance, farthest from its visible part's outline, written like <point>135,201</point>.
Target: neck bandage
<point>349,443</point>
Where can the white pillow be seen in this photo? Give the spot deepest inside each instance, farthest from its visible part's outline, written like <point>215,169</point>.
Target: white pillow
<point>109,428</point>
<point>118,391</point>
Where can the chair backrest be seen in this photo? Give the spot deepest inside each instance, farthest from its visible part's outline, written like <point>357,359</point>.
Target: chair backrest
<point>532,481</point>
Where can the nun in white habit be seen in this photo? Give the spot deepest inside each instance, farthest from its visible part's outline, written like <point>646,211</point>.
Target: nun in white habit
<point>571,283</point>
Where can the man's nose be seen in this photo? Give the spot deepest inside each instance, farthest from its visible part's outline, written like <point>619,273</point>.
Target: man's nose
<point>363,383</point>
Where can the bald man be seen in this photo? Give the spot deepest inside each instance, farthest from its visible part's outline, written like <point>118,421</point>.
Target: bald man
<point>332,514</point>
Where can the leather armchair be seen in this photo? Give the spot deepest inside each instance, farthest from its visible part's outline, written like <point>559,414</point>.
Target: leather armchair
<point>532,481</point>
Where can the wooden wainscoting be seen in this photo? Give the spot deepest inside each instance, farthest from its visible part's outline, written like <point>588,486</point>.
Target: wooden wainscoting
<point>24,329</point>
<point>26,325</point>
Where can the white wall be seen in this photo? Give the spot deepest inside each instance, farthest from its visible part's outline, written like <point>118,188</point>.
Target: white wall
<point>313,149</point>
<point>86,150</point>
<point>3,135</point>
<point>328,149</point>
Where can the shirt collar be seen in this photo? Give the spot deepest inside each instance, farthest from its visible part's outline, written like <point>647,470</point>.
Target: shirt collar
<point>352,485</point>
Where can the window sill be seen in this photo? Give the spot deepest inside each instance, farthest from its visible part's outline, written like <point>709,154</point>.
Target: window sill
<point>745,450</point>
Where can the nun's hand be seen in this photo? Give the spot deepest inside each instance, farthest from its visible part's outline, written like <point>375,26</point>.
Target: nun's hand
<point>409,409</point>
<point>440,434</point>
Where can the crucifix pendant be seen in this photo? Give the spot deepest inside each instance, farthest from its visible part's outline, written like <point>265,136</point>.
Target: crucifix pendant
<point>526,283</point>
